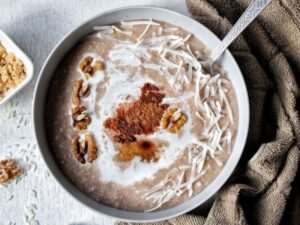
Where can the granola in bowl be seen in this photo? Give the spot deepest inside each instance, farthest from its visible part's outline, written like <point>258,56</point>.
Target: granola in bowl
<point>12,71</point>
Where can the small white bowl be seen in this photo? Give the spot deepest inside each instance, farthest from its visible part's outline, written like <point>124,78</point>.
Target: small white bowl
<point>11,46</point>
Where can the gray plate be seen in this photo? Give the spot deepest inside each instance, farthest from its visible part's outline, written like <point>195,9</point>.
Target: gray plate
<point>138,13</point>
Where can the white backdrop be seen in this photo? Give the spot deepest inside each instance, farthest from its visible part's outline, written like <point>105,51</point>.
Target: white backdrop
<point>36,26</point>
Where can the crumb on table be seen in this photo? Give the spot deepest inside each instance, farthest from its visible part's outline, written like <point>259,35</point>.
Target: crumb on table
<point>8,170</point>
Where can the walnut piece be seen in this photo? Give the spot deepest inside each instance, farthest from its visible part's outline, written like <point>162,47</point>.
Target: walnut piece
<point>8,170</point>
<point>173,118</point>
<point>76,93</point>
<point>80,90</point>
<point>81,119</point>
<point>80,147</point>
<point>165,120</point>
<point>85,66</point>
<point>83,146</point>
<point>178,124</point>
<point>99,66</point>
<point>91,148</point>
<point>176,116</point>
<point>77,150</point>
<point>84,91</point>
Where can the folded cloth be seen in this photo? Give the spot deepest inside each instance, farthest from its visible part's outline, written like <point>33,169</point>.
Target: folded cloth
<point>268,53</point>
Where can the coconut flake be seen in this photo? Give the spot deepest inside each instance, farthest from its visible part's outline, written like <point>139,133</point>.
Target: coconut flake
<point>182,98</point>
<point>168,63</point>
<point>155,40</point>
<point>198,101</point>
<point>207,110</point>
<point>219,108</point>
<point>175,44</point>
<point>185,167</point>
<point>180,178</point>
<point>227,104</point>
<point>201,161</point>
<point>102,28</point>
<point>144,32</point>
<point>190,51</point>
<point>219,163</point>
<point>157,187</point>
<point>184,55</point>
<point>160,30</point>
<point>206,91</point>
<point>141,22</point>
<point>229,136</point>
<point>122,31</point>
<point>213,106</point>
<point>203,145</point>
<point>170,29</point>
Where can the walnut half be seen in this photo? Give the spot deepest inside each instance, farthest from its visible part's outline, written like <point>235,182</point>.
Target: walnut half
<point>81,119</point>
<point>174,119</point>
<point>86,66</point>
<point>84,91</point>
<point>82,146</point>
<point>8,170</point>
<point>80,90</point>
<point>91,148</point>
<point>77,150</point>
<point>178,124</point>
<point>165,120</point>
<point>75,93</point>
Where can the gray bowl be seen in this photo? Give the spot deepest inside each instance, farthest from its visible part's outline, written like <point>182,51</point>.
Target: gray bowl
<point>138,13</point>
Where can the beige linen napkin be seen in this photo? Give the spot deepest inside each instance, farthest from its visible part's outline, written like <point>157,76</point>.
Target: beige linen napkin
<point>268,54</point>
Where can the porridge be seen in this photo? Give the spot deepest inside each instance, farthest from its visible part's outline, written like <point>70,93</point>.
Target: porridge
<point>133,120</point>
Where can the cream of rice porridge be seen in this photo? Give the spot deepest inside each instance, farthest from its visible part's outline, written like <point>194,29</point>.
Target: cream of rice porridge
<point>132,119</point>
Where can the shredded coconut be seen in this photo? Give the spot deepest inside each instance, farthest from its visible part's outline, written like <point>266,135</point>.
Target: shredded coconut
<point>210,98</point>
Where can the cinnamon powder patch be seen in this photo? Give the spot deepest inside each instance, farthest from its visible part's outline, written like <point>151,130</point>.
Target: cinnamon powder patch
<point>139,117</point>
<point>146,149</point>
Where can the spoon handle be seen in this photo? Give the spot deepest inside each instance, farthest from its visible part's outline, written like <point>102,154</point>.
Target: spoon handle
<point>253,10</point>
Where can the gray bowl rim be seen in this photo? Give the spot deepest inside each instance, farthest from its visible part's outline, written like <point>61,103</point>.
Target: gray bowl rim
<point>85,200</point>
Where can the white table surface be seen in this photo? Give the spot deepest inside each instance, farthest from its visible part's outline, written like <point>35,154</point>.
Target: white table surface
<point>36,26</point>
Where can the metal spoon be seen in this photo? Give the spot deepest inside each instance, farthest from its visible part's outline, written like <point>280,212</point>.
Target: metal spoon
<point>253,10</point>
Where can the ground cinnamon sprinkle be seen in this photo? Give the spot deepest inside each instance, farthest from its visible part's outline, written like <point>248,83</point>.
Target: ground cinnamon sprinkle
<point>139,117</point>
